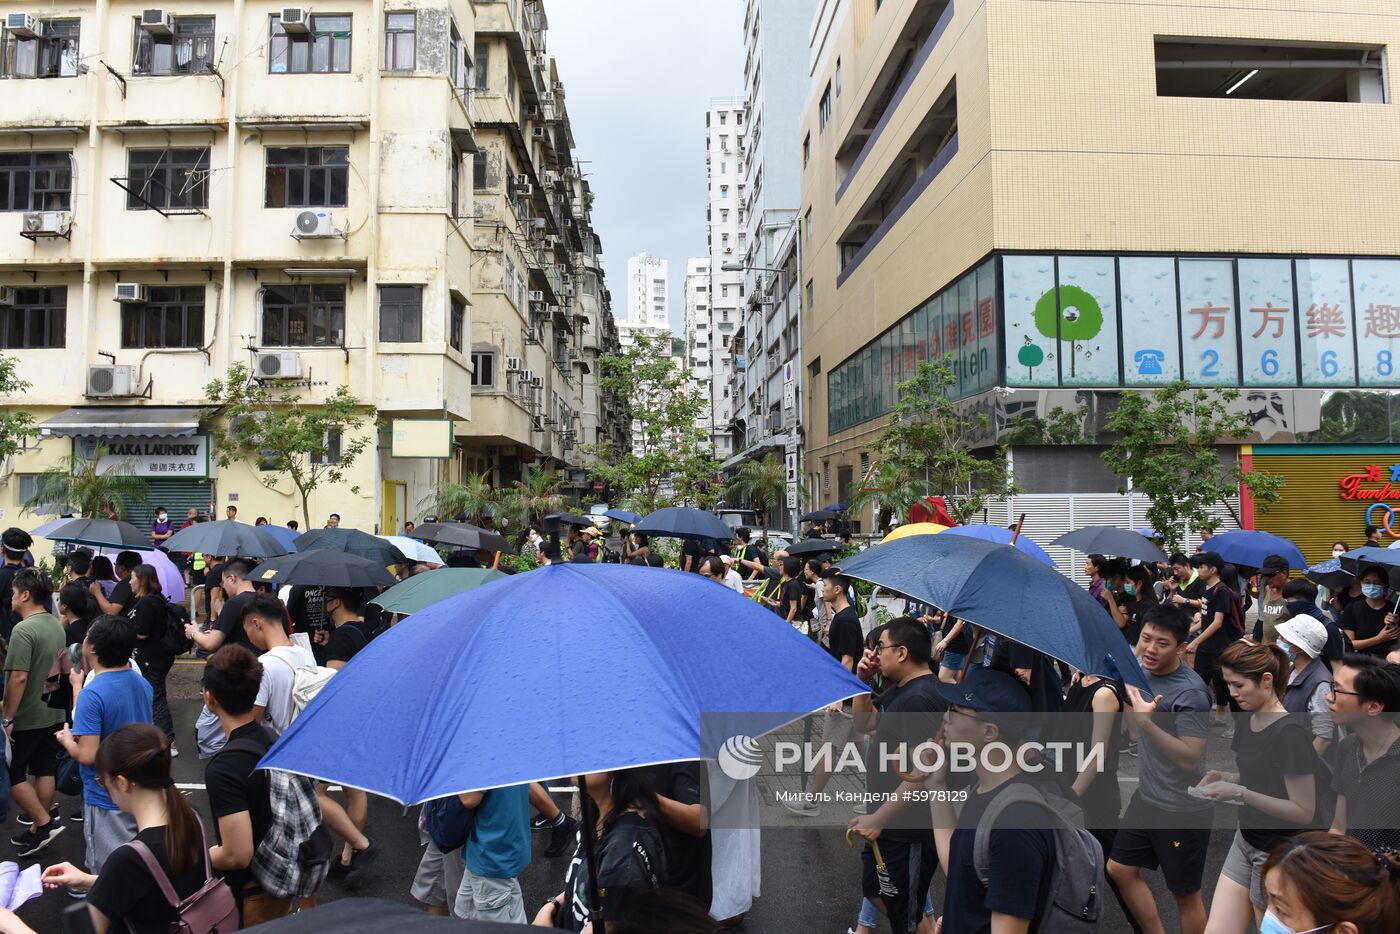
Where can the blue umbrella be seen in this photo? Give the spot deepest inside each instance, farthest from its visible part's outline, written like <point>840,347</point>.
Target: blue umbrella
<point>992,533</point>
<point>1358,559</point>
<point>684,522</point>
<point>1006,591</point>
<point>623,515</point>
<point>1247,548</point>
<point>836,507</point>
<point>507,690</point>
<point>1329,574</point>
<point>285,537</point>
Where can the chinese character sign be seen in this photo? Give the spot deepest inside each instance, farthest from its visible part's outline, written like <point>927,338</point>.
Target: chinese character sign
<point>1209,356</point>
<point>1151,352</point>
<point>1377,284</point>
<point>1268,323</point>
<point>1328,356</point>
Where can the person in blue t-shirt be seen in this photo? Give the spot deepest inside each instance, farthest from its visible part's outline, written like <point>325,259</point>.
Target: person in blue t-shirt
<point>115,695</point>
<point>497,851</point>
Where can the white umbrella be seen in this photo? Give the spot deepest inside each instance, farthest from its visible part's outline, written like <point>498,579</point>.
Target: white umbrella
<point>414,550</point>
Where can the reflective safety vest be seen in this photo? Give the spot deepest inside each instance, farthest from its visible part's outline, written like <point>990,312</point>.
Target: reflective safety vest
<point>197,561</point>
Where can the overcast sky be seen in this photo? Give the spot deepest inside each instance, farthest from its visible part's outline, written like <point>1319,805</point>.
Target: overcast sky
<point>638,75</point>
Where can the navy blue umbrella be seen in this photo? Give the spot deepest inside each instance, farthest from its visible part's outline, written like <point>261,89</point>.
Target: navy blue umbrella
<point>623,515</point>
<point>1358,559</point>
<point>684,522</point>
<point>284,536</point>
<point>821,515</point>
<point>1247,548</point>
<point>1006,591</point>
<point>1330,574</point>
<point>836,507</point>
<point>995,533</point>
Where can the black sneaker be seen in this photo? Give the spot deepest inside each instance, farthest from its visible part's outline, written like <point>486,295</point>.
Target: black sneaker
<point>28,821</point>
<point>359,862</point>
<point>77,816</point>
<point>561,836</point>
<point>339,870</point>
<point>541,823</point>
<point>32,840</point>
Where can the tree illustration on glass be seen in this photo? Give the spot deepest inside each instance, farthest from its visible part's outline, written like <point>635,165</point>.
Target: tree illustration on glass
<point>1031,356</point>
<point>1080,317</point>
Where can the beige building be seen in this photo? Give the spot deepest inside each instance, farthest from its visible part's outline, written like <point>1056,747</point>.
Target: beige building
<point>1069,200</point>
<point>242,182</point>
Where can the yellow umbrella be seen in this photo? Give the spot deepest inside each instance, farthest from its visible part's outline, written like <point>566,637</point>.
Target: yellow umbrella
<point>915,528</point>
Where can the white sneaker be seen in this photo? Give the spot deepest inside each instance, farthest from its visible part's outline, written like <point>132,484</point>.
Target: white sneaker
<point>802,808</point>
<point>174,753</point>
<point>862,808</point>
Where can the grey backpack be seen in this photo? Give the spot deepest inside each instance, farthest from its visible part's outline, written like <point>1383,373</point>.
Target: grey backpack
<point>1077,885</point>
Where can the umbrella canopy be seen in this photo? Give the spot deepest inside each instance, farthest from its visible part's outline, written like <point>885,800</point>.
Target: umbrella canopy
<point>98,532</point>
<point>1330,574</point>
<point>814,546</point>
<point>836,507</point>
<point>322,567</point>
<point>1109,540</point>
<point>461,535</point>
<point>414,550</point>
<point>227,538</point>
<point>684,522</point>
<point>423,590</point>
<point>172,582</point>
<point>352,542</point>
<point>1247,548</point>
<point>992,533</point>
<point>43,529</point>
<point>914,528</point>
<point>821,515</point>
<point>1006,591</point>
<point>568,518</point>
<point>284,536</point>
<point>374,916</point>
<point>623,515</point>
<point>1358,559</point>
<point>507,690</point>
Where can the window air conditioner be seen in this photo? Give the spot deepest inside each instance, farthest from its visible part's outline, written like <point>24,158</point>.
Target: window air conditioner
<point>157,22</point>
<point>111,381</point>
<point>24,25</point>
<point>536,382</point>
<point>130,292</point>
<point>536,296</point>
<point>532,111</point>
<point>46,224</point>
<point>538,132</point>
<point>314,225</point>
<point>279,365</point>
<point>7,296</point>
<point>512,364</point>
<point>524,189</point>
<point>296,19</point>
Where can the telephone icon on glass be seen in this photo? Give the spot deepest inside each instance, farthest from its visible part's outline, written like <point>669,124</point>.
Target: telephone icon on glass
<point>1149,362</point>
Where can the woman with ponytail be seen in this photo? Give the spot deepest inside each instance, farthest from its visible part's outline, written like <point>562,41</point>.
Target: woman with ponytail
<point>1326,882</point>
<point>1275,788</point>
<point>133,764</point>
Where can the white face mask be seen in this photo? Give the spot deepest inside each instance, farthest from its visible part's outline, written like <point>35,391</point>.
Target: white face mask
<point>1338,552</point>
<point>160,516</point>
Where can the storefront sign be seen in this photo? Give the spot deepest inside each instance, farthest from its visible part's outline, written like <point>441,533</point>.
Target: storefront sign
<point>1352,488</point>
<point>150,457</point>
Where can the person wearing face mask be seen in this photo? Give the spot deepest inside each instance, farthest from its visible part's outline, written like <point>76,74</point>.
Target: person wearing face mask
<point>1320,882</point>
<point>162,528</point>
<point>1371,623</point>
<point>1339,600</point>
<point>1304,640</point>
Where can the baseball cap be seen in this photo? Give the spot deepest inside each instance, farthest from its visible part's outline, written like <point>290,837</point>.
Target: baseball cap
<point>987,690</point>
<point>16,541</point>
<point>1305,633</point>
<point>1207,557</point>
<point>1274,564</point>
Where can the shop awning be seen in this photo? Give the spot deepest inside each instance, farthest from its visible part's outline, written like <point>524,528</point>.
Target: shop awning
<point>123,422</point>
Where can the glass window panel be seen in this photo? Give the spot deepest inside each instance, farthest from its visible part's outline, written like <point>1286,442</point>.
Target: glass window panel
<point>1377,284</point>
<point>1328,356</point>
<point>987,352</point>
<point>1208,322</point>
<point>1088,321</point>
<point>935,328</point>
<point>960,330</point>
<point>920,325</point>
<point>1147,289</point>
<point>1030,351</point>
<point>1268,323</point>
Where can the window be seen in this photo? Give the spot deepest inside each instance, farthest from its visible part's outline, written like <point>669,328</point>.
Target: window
<point>722,116</point>
<point>724,293</point>
<point>459,66</point>
<point>307,177</point>
<point>479,170</point>
<point>52,55</point>
<point>483,66</point>
<point>509,284</point>
<point>400,41</point>
<point>837,78</point>
<point>1245,70</point>
<point>824,107</point>
<point>454,183</point>
<point>329,456</point>
<point>401,313</point>
<point>723,142</point>
<point>323,49</point>
<point>457,323</point>
<point>303,316</point>
<point>172,317</point>
<point>807,223</point>
<point>188,50</point>
<point>739,117</point>
<point>35,181</point>
<point>483,369</point>
<point>806,149</point>
<point>36,320</point>
<point>167,179</point>
<point>724,191</point>
<point>29,488</point>
<point>809,293</point>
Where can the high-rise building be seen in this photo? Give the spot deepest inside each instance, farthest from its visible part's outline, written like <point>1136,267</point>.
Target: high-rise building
<point>648,291</point>
<point>697,333</point>
<point>724,152</point>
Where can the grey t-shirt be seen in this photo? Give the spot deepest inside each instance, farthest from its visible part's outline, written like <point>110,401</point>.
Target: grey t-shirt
<point>1184,711</point>
<point>1272,611</point>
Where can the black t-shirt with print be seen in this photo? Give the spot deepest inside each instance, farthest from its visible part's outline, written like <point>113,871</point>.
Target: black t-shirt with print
<point>1219,599</point>
<point>129,896</point>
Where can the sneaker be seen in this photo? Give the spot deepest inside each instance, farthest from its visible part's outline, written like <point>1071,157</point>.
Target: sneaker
<point>1132,750</point>
<point>561,835</point>
<point>32,840</point>
<point>803,808</point>
<point>542,823</point>
<point>1229,732</point>
<point>1217,724</point>
<point>338,869</point>
<point>359,862</point>
<point>28,821</point>
<point>862,809</point>
<point>76,817</point>
<point>174,753</point>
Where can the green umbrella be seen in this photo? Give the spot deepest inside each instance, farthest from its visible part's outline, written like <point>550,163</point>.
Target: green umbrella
<point>423,590</point>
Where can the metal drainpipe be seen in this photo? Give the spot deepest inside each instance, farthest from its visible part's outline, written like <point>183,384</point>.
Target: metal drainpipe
<point>372,266</point>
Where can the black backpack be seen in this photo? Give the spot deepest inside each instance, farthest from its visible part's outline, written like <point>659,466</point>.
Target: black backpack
<point>173,639</point>
<point>448,822</point>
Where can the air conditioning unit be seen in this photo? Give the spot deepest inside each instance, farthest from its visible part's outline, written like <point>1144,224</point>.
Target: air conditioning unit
<point>558,87</point>
<point>550,179</point>
<point>538,132</point>
<point>526,376</point>
<point>296,19</point>
<point>279,365</point>
<point>536,382</point>
<point>314,225</point>
<point>130,292</point>
<point>111,381</point>
<point>46,224</point>
<point>24,25</point>
<point>532,111</point>
<point>551,240</point>
<point>157,22</point>
<point>512,364</point>
<point>536,296</point>
<point>524,189</point>
<point>537,222</point>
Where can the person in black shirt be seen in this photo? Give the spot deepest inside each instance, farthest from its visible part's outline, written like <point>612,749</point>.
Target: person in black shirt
<point>1216,629</point>
<point>76,609</point>
<point>119,601</point>
<point>745,551</point>
<point>1184,588</point>
<point>1365,699</point>
<point>306,607</point>
<point>794,595</point>
<point>14,545</point>
<point>1371,622</point>
<point>149,616</point>
<point>348,637</point>
<point>684,821</point>
<point>228,627</point>
<point>349,634</point>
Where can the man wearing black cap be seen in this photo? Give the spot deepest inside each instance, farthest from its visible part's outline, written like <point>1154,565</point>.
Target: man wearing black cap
<point>1273,608</point>
<point>1216,630</point>
<point>13,545</point>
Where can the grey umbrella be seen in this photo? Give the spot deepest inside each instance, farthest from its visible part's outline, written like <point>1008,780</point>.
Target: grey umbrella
<point>1109,540</point>
<point>227,538</point>
<point>461,535</point>
<point>352,542</point>
<point>99,532</point>
<point>322,567</point>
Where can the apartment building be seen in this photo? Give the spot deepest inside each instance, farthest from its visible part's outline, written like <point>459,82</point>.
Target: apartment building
<point>1069,202</point>
<point>220,183</point>
<point>648,291</point>
<point>724,217</point>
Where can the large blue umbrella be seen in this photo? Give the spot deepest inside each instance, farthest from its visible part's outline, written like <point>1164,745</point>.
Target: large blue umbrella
<point>569,669</point>
<point>684,522</point>
<point>1358,559</point>
<point>1247,548</point>
<point>284,536</point>
<point>1005,591</point>
<point>993,533</point>
<point>623,515</point>
<point>1329,574</point>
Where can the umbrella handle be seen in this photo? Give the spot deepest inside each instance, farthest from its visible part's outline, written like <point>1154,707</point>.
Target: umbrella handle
<point>1017,532</point>
<point>874,850</point>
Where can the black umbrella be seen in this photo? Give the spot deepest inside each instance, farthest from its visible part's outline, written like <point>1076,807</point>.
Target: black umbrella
<point>461,535</point>
<point>227,537</point>
<point>1109,540</point>
<point>814,546</point>
<point>568,518</point>
<point>372,916</point>
<point>100,532</point>
<point>322,567</point>
<point>352,542</point>
<point>684,522</point>
<point>821,515</point>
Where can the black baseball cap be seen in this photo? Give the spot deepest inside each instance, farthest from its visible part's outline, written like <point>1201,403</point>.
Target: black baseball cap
<point>987,690</point>
<point>1274,564</point>
<point>1207,558</point>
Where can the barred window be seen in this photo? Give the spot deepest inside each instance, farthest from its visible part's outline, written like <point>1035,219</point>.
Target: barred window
<point>303,316</point>
<point>172,316</point>
<point>36,320</point>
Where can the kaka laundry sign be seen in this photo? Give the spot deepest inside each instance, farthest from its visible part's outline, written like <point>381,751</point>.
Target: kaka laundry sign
<point>151,457</point>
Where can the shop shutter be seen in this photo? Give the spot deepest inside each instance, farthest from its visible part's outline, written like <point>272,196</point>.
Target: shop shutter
<point>176,495</point>
<point>1310,509</point>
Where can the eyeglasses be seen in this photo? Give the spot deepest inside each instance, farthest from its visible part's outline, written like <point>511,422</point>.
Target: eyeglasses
<point>881,646</point>
<point>1334,692</point>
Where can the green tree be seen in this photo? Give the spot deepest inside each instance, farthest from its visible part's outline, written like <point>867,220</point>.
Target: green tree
<point>77,484</point>
<point>761,485</point>
<point>1169,447</point>
<point>474,498</point>
<point>16,425</point>
<point>1071,315</point>
<point>1059,426</point>
<point>671,460</point>
<point>893,490</point>
<point>287,437</point>
<point>528,501</point>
